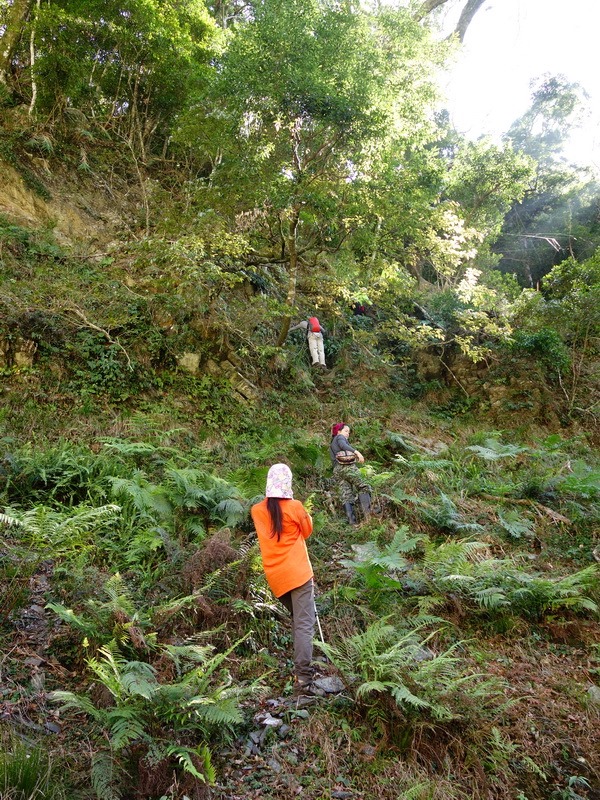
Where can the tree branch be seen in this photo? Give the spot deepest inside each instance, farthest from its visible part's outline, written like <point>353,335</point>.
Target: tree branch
<point>87,324</point>
<point>466,17</point>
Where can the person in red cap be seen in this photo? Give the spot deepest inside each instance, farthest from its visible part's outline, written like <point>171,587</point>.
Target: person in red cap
<point>346,474</point>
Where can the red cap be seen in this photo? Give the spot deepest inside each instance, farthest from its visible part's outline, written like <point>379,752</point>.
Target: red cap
<point>335,429</point>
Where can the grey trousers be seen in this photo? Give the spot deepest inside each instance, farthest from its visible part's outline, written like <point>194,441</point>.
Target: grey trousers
<point>300,602</point>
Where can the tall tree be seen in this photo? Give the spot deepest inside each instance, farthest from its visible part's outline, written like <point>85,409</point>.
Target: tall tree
<point>129,65</point>
<point>469,9</point>
<point>307,96</point>
<point>13,19</point>
<point>548,223</point>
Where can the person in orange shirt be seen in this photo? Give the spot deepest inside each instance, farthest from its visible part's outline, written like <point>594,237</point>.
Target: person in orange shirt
<point>283,525</point>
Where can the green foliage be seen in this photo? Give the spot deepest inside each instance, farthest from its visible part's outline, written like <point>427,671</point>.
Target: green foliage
<point>573,278</point>
<point>556,216</point>
<point>493,450</point>
<point>486,180</point>
<point>516,525</point>
<point>382,665</point>
<point>501,587</point>
<point>546,345</point>
<point>26,773</point>
<point>157,714</point>
<point>114,615</point>
<point>62,474</point>
<point>67,535</point>
<point>153,55</point>
<point>582,480</point>
<point>380,569</point>
<point>102,367</point>
<point>445,515</point>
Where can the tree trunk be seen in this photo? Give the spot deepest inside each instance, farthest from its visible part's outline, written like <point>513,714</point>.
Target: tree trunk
<point>292,240</point>
<point>427,7</point>
<point>466,17</point>
<point>15,22</point>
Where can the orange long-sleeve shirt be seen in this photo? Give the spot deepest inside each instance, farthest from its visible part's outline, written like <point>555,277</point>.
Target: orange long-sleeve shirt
<point>286,562</point>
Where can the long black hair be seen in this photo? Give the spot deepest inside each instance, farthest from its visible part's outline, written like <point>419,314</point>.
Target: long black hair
<point>274,509</point>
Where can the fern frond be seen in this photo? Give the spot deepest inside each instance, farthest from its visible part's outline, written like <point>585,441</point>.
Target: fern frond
<point>106,776</point>
<point>515,524</point>
<point>403,697</point>
<point>6,519</point>
<point>145,497</point>
<point>68,615</point>
<point>216,712</point>
<point>76,702</point>
<point>230,512</point>
<point>139,679</point>
<point>491,598</point>
<point>126,726</point>
<point>128,448</point>
<point>367,687</point>
<point>495,450</point>
<point>184,756</point>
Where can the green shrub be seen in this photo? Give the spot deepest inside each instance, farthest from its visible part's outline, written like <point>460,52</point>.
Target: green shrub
<point>545,345</point>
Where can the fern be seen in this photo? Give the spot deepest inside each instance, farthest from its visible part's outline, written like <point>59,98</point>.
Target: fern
<point>203,702</point>
<point>147,499</point>
<point>515,525</point>
<point>76,702</point>
<point>68,615</point>
<point>500,586</point>
<point>106,776</point>
<point>382,662</point>
<point>139,678</point>
<point>120,600</point>
<point>125,725</point>
<point>185,755</point>
<point>66,533</point>
<point>446,516</point>
<point>495,450</point>
<point>126,448</point>
<point>9,521</point>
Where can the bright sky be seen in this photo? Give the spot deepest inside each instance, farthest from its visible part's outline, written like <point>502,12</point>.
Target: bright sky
<point>511,42</point>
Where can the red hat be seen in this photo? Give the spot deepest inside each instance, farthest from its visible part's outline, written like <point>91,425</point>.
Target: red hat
<point>336,428</point>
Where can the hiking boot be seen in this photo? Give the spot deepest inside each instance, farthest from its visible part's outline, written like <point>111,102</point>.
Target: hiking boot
<point>349,509</point>
<point>364,498</point>
<point>307,689</point>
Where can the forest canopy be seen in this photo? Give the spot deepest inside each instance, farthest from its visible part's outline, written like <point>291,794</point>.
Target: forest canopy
<point>303,145</point>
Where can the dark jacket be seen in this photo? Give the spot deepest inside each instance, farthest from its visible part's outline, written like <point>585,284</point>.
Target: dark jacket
<point>338,443</point>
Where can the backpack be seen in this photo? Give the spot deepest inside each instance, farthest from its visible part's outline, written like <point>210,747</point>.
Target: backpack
<point>313,325</point>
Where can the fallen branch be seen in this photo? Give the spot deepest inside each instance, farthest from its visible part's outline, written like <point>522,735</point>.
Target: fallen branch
<point>87,324</point>
<point>554,515</point>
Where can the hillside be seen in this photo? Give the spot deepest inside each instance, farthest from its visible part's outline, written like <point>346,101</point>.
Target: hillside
<point>142,648</point>
<point>182,186</point>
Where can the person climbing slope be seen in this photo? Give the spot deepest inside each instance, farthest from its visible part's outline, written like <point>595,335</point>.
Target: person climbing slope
<point>283,525</point>
<point>314,337</point>
<point>346,474</point>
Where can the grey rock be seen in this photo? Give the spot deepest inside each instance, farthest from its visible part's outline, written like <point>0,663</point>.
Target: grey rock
<point>594,694</point>
<point>271,721</point>
<point>283,731</point>
<point>331,684</point>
